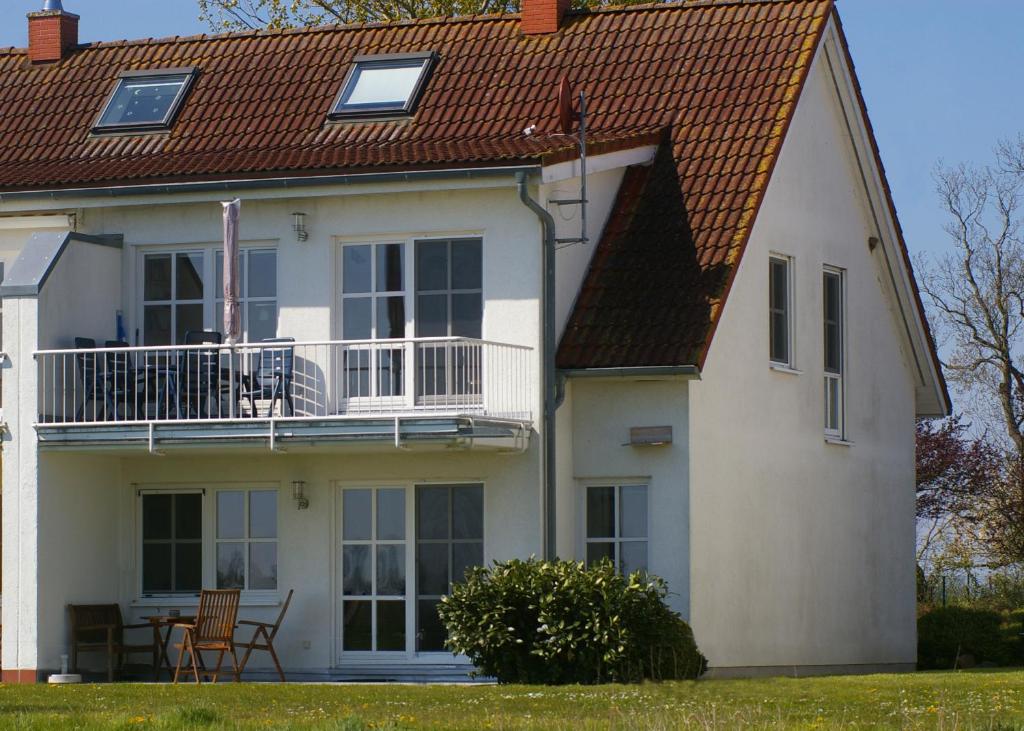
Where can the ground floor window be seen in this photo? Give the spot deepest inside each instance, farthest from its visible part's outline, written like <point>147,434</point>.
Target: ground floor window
<point>617,525</point>
<point>402,548</point>
<point>181,553</point>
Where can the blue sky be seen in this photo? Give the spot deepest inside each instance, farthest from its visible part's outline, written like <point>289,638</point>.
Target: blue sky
<point>941,78</point>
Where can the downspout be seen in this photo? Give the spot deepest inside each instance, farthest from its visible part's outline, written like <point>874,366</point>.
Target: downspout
<point>548,356</point>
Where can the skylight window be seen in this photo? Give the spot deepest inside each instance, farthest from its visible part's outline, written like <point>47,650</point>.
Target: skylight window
<point>382,86</point>
<point>145,101</point>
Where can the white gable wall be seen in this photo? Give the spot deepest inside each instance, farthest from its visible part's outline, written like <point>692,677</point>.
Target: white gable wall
<point>803,551</point>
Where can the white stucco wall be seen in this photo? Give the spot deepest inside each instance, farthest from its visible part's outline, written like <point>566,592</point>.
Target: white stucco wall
<point>602,412</point>
<point>803,551</point>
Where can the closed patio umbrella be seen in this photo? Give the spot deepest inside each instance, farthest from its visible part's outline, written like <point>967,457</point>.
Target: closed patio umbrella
<point>232,312</point>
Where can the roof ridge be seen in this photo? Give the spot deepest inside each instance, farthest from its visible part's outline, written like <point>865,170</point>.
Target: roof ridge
<point>670,5</point>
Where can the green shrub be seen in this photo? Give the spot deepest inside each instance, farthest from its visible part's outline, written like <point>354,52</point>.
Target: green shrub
<point>946,636</point>
<point>560,622</point>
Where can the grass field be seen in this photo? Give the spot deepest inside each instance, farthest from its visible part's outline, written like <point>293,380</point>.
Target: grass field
<point>968,700</point>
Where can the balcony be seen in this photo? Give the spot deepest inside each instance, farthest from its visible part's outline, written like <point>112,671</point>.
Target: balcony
<point>449,392</point>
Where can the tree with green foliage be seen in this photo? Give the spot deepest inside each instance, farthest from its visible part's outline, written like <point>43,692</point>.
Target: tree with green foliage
<point>255,14</point>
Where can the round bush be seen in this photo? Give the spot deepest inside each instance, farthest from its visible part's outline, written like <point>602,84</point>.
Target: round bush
<point>948,635</point>
<point>560,622</point>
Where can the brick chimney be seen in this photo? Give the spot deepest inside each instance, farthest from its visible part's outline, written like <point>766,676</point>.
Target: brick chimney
<point>52,33</point>
<point>542,16</point>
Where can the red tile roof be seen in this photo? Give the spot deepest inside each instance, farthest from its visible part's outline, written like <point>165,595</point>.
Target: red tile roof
<point>721,77</point>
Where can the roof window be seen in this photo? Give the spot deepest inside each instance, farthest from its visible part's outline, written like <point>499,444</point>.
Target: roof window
<point>382,86</point>
<point>145,101</point>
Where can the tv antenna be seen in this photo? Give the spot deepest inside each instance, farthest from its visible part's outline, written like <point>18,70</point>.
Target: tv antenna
<point>567,118</point>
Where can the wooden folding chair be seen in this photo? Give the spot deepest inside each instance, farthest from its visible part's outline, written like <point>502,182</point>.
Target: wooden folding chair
<point>213,631</point>
<point>266,632</point>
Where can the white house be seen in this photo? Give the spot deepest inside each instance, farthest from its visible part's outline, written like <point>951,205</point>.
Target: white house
<point>711,369</point>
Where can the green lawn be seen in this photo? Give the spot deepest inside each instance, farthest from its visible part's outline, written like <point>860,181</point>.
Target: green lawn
<point>969,700</point>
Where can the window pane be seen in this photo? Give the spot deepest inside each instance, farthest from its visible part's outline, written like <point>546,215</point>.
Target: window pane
<point>432,568</point>
<point>188,567</point>
<point>230,565</point>
<point>230,514</point>
<point>391,515</point>
<point>262,320</point>
<point>431,634</point>
<point>156,325</point>
<point>390,266</point>
<point>632,556</point>
<point>597,551</point>
<point>263,514</point>
<point>357,625</point>
<point>467,264</point>
<point>156,516</point>
<point>633,511</point>
<point>190,317</point>
<point>357,319</point>
<point>431,265</point>
<point>391,626</point>
<point>389,373</point>
<point>142,101</point>
<point>356,577</point>
<point>355,267</point>
<point>189,277</point>
<point>188,516</point>
<point>468,512</point>
<point>356,509</point>
<point>263,566</point>
<point>779,285</point>
<point>432,316</point>
<point>262,274</point>
<point>600,512</point>
<point>387,85</point>
<point>390,317</point>
<point>779,337</point>
<point>218,282</point>
<point>156,567</point>
<point>391,569</point>
<point>465,556</point>
<point>158,277</point>
<point>467,315</point>
<point>431,512</point>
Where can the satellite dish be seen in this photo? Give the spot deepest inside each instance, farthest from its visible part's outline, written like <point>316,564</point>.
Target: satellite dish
<point>566,115</point>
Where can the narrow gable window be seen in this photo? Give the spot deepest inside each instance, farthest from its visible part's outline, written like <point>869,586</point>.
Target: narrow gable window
<point>832,296</point>
<point>780,311</point>
<point>382,86</point>
<point>145,101</point>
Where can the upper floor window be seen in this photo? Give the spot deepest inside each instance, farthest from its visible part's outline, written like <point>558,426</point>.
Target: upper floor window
<point>617,526</point>
<point>780,310</point>
<point>145,101</point>
<point>834,364</point>
<point>382,86</point>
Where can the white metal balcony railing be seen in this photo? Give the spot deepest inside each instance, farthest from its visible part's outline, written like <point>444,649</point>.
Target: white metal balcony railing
<point>284,380</point>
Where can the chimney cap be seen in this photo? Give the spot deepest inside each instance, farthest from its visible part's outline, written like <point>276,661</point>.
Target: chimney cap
<point>52,5</point>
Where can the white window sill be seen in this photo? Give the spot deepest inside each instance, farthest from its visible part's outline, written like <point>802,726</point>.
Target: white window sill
<point>174,602</point>
<point>838,441</point>
<point>780,368</point>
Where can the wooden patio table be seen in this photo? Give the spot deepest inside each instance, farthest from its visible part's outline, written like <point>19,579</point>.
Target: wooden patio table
<point>161,622</point>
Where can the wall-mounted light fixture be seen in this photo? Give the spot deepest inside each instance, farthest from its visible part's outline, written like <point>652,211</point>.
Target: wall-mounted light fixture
<point>299,494</point>
<point>299,226</point>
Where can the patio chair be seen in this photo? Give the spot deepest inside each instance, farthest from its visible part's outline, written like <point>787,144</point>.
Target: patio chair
<point>263,637</point>
<point>121,375</point>
<point>272,375</point>
<point>199,375</point>
<point>212,631</point>
<point>100,628</point>
<point>92,369</point>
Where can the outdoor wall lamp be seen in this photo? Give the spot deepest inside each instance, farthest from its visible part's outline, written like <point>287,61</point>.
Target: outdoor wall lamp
<point>299,494</point>
<point>299,226</point>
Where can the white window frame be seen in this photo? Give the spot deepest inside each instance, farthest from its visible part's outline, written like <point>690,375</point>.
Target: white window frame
<point>835,419</point>
<point>617,539</point>
<point>789,363</point>
<point>212,289</point>
<point>208,491</point>
<point>247,541</point>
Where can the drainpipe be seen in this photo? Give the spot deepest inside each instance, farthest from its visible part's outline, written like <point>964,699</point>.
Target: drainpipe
<point>548,355</point>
